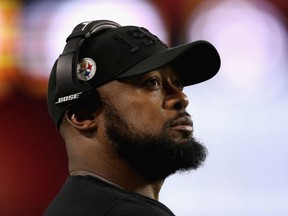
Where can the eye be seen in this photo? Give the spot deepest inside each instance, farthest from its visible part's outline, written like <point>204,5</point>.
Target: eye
<point>153,82</point>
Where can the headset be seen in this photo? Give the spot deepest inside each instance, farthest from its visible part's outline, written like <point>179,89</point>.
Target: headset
<point>68,87</point>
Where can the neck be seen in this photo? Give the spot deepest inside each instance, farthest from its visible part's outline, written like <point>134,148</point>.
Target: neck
<point>85,173</point>
<point>108,167</point>
<point>152,190</point>
<point>131,184</point>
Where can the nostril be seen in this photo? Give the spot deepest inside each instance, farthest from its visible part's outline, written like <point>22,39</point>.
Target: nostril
<point>178,106</point>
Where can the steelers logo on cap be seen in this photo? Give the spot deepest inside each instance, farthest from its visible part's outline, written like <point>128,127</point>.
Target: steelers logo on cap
<point>86,69</point>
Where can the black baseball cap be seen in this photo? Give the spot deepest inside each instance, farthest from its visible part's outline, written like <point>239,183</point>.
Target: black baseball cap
<point>126,51</point>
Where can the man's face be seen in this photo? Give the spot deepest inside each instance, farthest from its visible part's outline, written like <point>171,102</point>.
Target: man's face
<point>147,123</point>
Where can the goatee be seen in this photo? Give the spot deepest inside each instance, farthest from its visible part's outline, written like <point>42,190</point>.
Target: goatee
<point>153,157</point>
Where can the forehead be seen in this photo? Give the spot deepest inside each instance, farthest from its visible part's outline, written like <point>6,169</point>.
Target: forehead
<point>163,72</point>
<point>127,85</point>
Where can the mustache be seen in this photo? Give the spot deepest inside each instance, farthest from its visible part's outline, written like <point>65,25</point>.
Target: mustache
<point>180,115</point>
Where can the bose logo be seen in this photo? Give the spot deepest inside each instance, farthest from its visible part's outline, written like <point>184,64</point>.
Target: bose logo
<point>68,98</point>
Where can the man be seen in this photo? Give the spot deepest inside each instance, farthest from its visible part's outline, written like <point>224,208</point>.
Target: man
<point>116,97</point>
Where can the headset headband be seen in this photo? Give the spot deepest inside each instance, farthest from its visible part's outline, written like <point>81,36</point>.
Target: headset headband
<point>69,88</point>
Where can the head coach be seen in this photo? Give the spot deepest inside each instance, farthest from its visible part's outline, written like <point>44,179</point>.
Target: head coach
<point>116,97</point>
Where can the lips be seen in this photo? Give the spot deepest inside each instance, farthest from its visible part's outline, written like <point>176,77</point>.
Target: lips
<point>183,123</point>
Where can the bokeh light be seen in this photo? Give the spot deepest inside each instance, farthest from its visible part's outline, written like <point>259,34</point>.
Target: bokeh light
<point>10,13</point>
<point>45,36</point>
<point>252,40</point>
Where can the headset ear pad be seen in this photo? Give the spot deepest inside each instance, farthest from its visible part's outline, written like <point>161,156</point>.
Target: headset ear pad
<point>90,102</point>
<point>63,83</point>
<point>68,88</point>
<point>56,112</point>
<point>86,108</point>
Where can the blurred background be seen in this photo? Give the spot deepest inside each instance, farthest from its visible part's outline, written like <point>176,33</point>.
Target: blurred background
<point>241,114</point>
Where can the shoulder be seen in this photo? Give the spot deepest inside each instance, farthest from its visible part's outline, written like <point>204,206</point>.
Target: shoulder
<point>88,196</point>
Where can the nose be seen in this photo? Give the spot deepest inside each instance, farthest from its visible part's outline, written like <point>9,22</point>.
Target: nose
<point>175,99</point>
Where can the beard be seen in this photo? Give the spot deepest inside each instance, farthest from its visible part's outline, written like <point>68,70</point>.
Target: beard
<point>154,157</point>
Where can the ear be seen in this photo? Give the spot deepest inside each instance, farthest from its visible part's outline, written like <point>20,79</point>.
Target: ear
<point>82,119</point>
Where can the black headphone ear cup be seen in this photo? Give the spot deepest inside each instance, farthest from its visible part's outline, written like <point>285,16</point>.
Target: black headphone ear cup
<point>87,106</point>
<point>69,89</point>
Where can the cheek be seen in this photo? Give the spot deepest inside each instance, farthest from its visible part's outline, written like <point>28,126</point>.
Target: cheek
<point>141,110</point>
<point>145,116</point>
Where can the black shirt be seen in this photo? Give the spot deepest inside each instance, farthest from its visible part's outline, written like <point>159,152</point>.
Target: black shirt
<point>85,195</point>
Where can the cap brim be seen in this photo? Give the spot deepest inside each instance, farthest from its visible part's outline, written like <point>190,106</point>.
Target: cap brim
<point>195,62</point>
